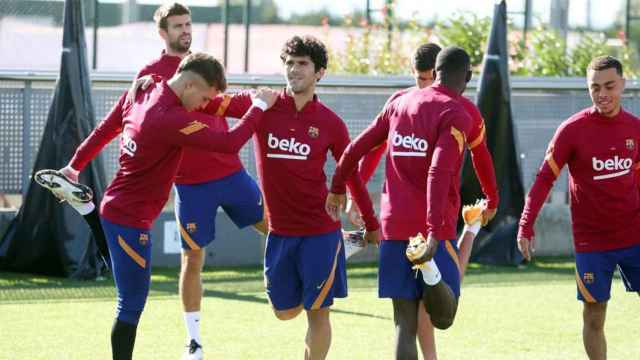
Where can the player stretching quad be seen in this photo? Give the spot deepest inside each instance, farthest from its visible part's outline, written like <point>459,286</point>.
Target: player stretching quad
<point>304,264</point>
<point>600,146</point>
<point>155,129</point>
<point>421,195</point>
<point>205,180</point>
<point>424,60</point>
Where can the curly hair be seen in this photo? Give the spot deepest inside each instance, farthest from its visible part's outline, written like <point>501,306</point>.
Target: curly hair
<point>306,45</point>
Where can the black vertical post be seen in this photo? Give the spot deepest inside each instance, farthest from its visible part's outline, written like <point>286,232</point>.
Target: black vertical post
<point>247,25</point>
<point>527,20</point>
<point>96,21</point>
<point>367,12</point>
<point>225,20</point>
<point>627,23</point>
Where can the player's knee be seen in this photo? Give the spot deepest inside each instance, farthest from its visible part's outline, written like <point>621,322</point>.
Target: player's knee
<point>288,314</point>
<point>192,260</point>
<point>594,315</point>
<point>442,322</point>
<point>129,316</point>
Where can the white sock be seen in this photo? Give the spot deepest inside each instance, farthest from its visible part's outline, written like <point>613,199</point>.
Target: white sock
<point>430,273</point>
<point>82,208</point>
<point>192,321</point>
<point>474,228</point>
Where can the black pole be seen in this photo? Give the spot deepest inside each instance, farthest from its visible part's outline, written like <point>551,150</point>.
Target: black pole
<point>527,20</point>
<point>225,20</point>
<point>96,20</point>
<point>627,24</point>
<point>368,12</point>
<point>247,24</point>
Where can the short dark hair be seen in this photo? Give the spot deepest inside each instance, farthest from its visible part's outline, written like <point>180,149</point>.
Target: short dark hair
<point>605,62</point>
<point>166,10</point>
<point>306,46</point>
<point>452,61</point>
<point>424,58</point>
<point>205,65</point>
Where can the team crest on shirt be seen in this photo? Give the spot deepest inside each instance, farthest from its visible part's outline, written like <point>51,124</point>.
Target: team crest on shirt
<point>630,144</point>
<point>192,228</point>
<point>588,278</point>
<point>313,132</point>
<point>144,239</point>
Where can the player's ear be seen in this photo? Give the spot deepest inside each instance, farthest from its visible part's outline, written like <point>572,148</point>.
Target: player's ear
<point>320,74</point>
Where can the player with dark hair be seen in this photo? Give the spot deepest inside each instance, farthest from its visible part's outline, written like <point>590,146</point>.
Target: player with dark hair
<point>426,131</point>
<point>155,128</point>
<point>205,180</point>
<point>424,60</point>
<point>304,259</point>
<point>600,146</point>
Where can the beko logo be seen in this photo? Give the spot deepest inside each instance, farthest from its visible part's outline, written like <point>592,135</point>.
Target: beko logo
<point>415,145</point>
<point>129,146</point>
<point>620,165</point>
<point>296,150</point>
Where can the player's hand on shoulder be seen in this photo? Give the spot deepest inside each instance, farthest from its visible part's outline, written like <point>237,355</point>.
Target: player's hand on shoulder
<point>141,83</point>
<point>268,95</point>
<point>334,205</point>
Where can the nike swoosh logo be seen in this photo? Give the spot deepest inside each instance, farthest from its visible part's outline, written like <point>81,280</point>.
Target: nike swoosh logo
<point>260,201</point>
<point>321,285</point>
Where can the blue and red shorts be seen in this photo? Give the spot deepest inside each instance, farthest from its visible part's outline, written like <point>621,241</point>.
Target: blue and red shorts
<point>196,207</point>
<point>307,270</point>
<point>130,250</point>
<point>396,278</point>
<point>594,272</point>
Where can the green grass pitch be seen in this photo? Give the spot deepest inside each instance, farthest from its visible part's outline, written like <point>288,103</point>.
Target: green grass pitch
<point>504,313</point>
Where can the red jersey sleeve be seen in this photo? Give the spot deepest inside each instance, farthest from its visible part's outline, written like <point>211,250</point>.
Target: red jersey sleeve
<point>480,156</point>
<point>107,130</point>
<point>558,153</point>
<point>445,163</point>
<point>231,105</point>
<point>356,188</point>
<point>190,129</point>
<point>373,136</point>
<point>370,161</point>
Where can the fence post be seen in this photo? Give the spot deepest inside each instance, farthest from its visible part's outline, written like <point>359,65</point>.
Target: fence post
<point>26,141</point>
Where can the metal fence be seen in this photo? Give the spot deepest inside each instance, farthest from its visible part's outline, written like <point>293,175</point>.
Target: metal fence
<point>539,105</point>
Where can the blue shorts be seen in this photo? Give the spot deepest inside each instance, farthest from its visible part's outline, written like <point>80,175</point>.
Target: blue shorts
<point>130,250</point>
<point>396,278</point>
<point>307,270</point>
<point>196,206</point>
<point>594,272</point>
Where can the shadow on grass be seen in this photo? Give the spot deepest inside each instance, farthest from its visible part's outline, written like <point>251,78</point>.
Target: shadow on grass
<point>254,298</point>
<point>234,282</point>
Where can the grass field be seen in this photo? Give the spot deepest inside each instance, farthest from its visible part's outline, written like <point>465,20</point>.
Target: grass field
<point>505,313</point>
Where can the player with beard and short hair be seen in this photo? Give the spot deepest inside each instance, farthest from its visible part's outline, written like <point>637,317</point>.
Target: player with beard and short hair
<point>600,147</point>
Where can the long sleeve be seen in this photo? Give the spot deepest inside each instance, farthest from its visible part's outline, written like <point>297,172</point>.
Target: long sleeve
<point>102,135</point>
<point>483,166</point>
<point>231,105</point>
<point>447,155</point>
<point>374,135</point>
<point>353,181</point>
<point>190,129</point>
<point>370,161</point>
<point>558,153</point>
